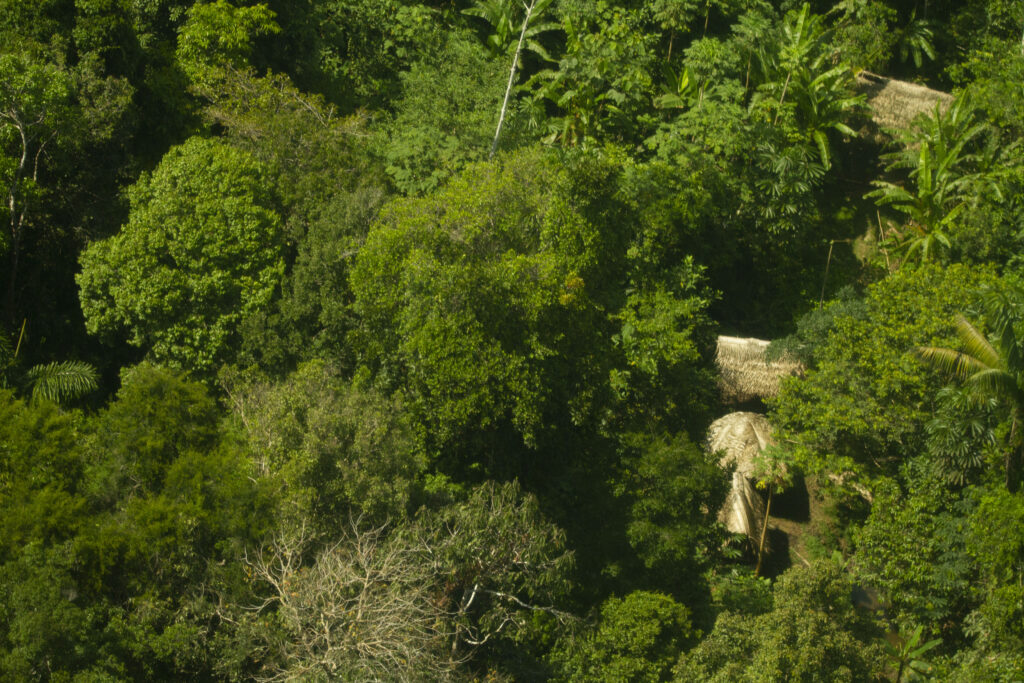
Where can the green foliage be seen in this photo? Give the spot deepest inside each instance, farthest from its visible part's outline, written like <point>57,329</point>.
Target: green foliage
<point>916,40</point>
<point>675,490</point>
<point>604,81</point>
<point>993,368</point>
<point>313,317</point>
<point>937,154</point>
<point>503,17</point>
<point>866,404</point>
<point>662,340</point>
<point>906,655</point>
<point>337,450</point>
<point>200,251</point>
<point>362,47</point>
<point>114,529</point>
<point>863,33</point>
<point>389,365</point>
<point>315,156</point>
<point>61,381</point>
<point>742,592</point>
<point>62,130</point>
<point>445,116</point>
<point>760,177</point>
<point>57,381</point>
<point>330,188</point>
<point>679,16</point>
<point>993,74</point>
<point>40,471</point>
<point>798,78</point>
<point>996,543</point>
<point>813,327</point>
<point>469,312</point>
<point>495,302</point>
<point>962,436</point>
<point>637,640</point>
<point>912,550</point>
<point>36,108</point>
<point>982,24</point>
<point>813,633</point>
<point>219,36</point>
<point>35,97</point>
<point>157,417</point>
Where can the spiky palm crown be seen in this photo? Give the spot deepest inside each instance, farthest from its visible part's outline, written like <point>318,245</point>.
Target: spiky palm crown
<point>992,366</point>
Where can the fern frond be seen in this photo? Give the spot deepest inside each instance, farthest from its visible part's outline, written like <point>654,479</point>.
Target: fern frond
<point>61,381</point>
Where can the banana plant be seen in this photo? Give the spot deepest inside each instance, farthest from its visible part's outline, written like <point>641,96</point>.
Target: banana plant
<point>797,74</point>
<point>824,104</point>
<point>941,180</point>
<point>506,19</point>
<point>907,656</point>
<point>679,90</point>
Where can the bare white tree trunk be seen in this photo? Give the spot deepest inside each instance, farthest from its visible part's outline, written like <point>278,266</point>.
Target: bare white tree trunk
<point>511,77</point>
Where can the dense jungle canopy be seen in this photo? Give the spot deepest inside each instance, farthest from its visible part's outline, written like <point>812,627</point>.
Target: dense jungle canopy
<point>380,340</point>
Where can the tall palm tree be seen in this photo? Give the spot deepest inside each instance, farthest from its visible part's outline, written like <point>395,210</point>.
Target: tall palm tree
<point>994,367</point>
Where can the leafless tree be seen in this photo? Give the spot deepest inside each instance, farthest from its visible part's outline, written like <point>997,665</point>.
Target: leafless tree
<point>411,602</point>
<point>361,611</point>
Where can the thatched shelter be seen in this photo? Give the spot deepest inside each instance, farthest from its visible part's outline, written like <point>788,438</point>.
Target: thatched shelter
<point>745,371</point>
<point>741,437</point>
<point>895,104</point>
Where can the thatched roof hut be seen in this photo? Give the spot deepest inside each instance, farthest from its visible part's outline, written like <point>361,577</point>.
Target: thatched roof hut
<point>741,437</point>
<point>745,371</point>
<point>895,104</point>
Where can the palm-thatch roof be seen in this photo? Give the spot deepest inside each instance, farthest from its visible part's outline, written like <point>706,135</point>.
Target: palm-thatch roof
<point>895,104</point>
<point>740,438</point>
<point>745,371</point>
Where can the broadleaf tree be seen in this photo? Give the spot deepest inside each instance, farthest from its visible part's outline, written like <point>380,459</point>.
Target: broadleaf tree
<point>201,249</point>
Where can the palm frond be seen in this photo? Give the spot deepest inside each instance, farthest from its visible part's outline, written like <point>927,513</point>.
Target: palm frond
<point>977,344</point>
<point>994,381</point>
<point>953,362</point>
<point>1003,311</point>
<point>61,381</point>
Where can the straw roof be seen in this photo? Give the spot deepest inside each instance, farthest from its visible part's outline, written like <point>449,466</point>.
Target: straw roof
<point>895,104</point>
<point>741,437</point>
<point>746,373</point>
<point>743,511</point>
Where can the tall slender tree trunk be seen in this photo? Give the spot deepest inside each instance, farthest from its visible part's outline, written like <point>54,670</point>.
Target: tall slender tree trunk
<point>785,87</point>
<point>764,532</point>
<point>17,221</point>
<point>511,78</point>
